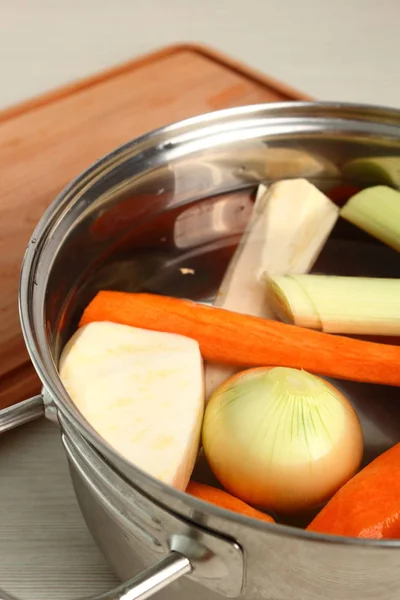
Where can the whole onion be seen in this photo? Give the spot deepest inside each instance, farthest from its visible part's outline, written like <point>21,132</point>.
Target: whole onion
<point>281,439</point>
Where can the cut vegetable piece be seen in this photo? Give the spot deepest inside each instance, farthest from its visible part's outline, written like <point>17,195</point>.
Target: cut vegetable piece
<point>288,228</point>
<point>261,191</point>
<point>368,505</point>
<point>142,391</point>
<point>281,439</point>
<point>374,170</point>
<point>241,289</point>
<point>224,500</point>
<point>376,210</point>
<point>350,305</point>
<point>241,275</point>
<point>298,219</point>
<point>291,303</point>
<point>230,338</point>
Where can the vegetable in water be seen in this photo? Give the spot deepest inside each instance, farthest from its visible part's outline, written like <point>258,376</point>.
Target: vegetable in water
<point>241,274</point>
<point>142,391</point>
<point>274,244</point>
<point>376,210</point>
<point>261,191</point>
<point>281,439</point>
<point>292,245</point>
<point>224,500</point>
<point>241,340</point>
<point>373,170</point>
<point>368,506</point>
<point>351,305</point>
<point>276,437</point>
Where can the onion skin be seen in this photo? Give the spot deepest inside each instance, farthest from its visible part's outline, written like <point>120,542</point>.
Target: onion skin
<point>271,459</point>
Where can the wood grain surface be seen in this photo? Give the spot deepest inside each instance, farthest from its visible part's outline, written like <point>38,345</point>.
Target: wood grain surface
<point>46,142</point>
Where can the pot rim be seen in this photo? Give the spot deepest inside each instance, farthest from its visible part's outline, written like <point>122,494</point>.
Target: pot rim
<point>38,348</point>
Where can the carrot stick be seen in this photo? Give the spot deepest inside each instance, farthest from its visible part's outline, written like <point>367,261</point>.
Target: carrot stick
<point>367,506</point>
<point>245,341</point>
<point>224,500</point>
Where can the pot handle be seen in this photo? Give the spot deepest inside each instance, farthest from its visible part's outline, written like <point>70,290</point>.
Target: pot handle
<point>155,578</point>
<point>21,413</point>
<point>152,580</point>
<point>168,569</point>
<point>144,585</point>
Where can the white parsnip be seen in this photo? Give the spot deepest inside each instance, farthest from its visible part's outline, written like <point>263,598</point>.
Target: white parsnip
<point>290,223</point>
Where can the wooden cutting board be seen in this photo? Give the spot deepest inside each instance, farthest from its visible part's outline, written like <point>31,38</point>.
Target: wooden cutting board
<point>47,141</point>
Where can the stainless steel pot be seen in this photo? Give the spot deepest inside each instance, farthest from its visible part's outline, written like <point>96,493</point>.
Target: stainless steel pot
<point>163,213</point>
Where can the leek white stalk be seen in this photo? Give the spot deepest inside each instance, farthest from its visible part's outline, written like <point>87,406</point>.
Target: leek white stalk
<point>347,305</point>
<point>281,439</point>
<point>376,210</point>
<point>142,391</point>
<point>290,223</point>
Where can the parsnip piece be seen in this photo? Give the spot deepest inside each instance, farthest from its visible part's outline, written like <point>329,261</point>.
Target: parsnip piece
<point>346,305</point>
<point>288,228</point>
<point>261,191</point>
<point>376,210</point>
<point>142,391</point>
<point>298,219</point>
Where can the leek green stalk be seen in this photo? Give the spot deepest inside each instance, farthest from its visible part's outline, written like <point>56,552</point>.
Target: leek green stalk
<point>347,305</point>
<point>376,210</point>
<point>374,170</point>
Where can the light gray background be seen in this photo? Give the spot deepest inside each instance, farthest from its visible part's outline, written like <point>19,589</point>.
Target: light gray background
<point>332,49</point>
<point>337,50</point>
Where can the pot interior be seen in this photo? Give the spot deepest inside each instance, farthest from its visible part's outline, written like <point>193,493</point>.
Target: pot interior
<point>165,213</point>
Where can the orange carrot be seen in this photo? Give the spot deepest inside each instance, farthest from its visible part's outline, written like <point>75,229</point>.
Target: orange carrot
<point>224,500</point>
<point>367,506</point>
<point>245,341</point>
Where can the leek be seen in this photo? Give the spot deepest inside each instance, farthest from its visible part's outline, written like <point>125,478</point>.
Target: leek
<point>346,305</point>
<point>376,210</point>
<point>373,170</point>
